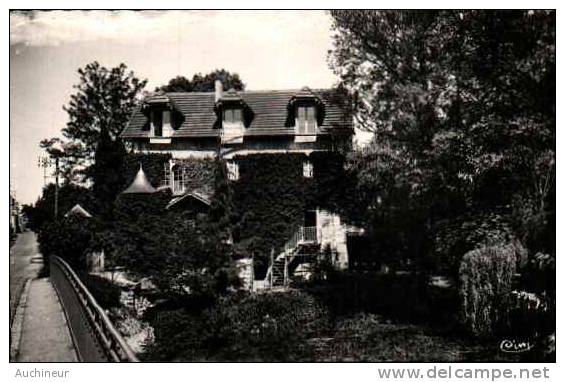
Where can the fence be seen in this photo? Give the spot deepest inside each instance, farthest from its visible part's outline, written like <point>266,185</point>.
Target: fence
<point>94,336</point>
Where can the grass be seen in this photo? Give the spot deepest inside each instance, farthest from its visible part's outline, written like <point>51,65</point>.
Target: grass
<point>373,338</point>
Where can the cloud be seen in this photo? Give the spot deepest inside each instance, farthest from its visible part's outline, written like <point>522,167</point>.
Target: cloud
<point>53,28</point>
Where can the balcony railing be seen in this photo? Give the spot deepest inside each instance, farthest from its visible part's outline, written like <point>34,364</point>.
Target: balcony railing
<point>307,235</point>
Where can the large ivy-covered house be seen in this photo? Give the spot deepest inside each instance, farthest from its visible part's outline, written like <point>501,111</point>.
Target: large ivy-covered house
<point>283,150</point>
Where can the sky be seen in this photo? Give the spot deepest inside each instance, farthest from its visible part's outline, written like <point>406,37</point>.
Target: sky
<point>269,50</point>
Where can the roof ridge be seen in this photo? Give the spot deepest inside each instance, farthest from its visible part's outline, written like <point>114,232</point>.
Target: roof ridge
<point>254,91</point>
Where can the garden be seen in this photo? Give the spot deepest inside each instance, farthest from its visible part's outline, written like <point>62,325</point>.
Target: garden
<point>455,191</point>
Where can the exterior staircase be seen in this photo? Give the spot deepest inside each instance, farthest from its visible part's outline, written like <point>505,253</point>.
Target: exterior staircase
<point>279,271</point>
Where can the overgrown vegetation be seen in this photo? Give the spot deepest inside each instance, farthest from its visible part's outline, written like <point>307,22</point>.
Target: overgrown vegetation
<point>271,196</point>
<point>267,327</point>
<point>463,152</point>
<point>458,181</point>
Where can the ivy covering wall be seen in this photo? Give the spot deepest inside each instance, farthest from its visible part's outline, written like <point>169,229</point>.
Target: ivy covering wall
<point>269,199</point>
<point>272,194</point>
<point>153,166</point>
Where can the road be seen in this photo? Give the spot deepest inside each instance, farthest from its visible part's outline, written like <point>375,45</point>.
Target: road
<point>25,263</point>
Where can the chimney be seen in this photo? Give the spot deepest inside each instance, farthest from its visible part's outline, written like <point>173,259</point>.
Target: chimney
<point>219,89</point>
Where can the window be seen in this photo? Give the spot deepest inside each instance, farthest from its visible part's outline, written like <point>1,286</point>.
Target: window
<point>178,180</point>
<point>157,122</point>
<point>306,120</point>
<point>233,170</point>
<point>307,169</point>
<point>233,115</point>
<point>232,132</point>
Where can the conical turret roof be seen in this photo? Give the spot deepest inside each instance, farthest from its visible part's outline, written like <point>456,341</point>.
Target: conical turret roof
<point>140,184</point>
<point>78,211</point>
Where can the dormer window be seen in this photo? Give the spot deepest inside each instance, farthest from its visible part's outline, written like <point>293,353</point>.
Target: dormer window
<point>306,120</point>
<point>232,125</point>
<point>233,116</point>
<point>161,124</point>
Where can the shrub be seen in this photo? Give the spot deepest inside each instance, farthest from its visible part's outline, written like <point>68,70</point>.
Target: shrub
<point>486,276</point>
<point>539,275</point>
<point>400,298</point>
<point>455,237</point>
<point>530,315</point>
<point>106,293</point>
<point>263,327</point>
<point>69,238</point>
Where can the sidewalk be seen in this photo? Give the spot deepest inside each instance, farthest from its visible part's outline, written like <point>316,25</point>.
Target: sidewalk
<point>45,336</point>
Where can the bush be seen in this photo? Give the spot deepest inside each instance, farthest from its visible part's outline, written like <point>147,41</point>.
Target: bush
<point>265,327</point>
<point>539,275</point>
<point>455,237</point>
<point>106,293</point>
<point>486,276</point>
<point>399,298</point>
<point>69,238</point>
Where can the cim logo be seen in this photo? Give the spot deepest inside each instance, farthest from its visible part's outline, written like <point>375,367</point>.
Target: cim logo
<point>513,346</point>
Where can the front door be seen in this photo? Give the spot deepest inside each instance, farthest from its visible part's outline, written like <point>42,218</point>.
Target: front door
<point>310,218</point>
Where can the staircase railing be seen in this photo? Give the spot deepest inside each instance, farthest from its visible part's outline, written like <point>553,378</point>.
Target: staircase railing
<point>303,235</point>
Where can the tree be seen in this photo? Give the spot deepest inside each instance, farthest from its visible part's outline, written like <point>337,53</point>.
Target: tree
<point>462,107</point>
<point>185,256</point>
<point>108,169</point>
<point>104,99</point>
<point>69,195</point>
<point>200,83</point>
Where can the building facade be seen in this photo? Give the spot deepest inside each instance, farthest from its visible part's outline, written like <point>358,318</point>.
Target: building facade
<point>238,126</point>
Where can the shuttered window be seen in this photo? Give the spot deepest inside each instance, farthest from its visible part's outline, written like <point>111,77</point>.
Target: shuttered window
<point>301,120</point>
<point>232,115</point>
<point>306,120</point>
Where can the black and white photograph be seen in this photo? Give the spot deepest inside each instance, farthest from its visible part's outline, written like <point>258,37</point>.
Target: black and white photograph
<point>283,186</point>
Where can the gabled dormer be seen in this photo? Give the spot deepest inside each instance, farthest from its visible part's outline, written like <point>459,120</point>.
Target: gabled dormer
<point>233,113</point>
<point>307,112</point>
<point>162,116</point>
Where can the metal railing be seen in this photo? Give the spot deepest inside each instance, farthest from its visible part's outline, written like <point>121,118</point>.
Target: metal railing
<point>94,335</point>
<point>303,235</point>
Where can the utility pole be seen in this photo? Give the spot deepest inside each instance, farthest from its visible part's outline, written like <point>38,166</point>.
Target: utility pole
<point>44,162</point>
<point>55,152</point>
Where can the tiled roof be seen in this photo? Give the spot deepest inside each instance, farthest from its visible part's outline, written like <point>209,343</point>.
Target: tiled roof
<point>269,113</point>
